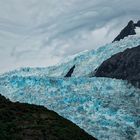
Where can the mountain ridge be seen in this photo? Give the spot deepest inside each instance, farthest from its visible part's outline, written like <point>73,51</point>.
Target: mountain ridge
<point>128,30</point>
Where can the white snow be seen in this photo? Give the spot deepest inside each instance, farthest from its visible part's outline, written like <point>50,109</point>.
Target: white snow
<point>137,30</point>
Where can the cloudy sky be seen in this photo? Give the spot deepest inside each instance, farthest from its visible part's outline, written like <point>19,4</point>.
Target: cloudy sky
<point>40,33</point>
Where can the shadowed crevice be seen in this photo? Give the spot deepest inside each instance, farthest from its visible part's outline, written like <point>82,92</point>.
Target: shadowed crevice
<point>70,72</point>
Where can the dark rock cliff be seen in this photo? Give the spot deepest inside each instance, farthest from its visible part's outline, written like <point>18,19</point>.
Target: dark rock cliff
<point>70,72</point>
<point>29,122</point>
<point>124,65</point>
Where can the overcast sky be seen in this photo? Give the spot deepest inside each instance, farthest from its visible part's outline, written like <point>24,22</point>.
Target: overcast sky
<point>39,33</point>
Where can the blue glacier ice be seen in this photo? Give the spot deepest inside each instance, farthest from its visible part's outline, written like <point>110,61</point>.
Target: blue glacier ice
<point>108,109</point>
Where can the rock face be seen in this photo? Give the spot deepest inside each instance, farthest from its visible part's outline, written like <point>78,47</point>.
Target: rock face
<point>138,24</point>
<point>128,30</point>
<point>69,74</point>
<point>29,122</point>
<point>124,65</point>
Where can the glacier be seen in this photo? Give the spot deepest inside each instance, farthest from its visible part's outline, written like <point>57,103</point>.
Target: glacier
<point>41,33</point>
<point>108,109</point>
<point>85,62</point>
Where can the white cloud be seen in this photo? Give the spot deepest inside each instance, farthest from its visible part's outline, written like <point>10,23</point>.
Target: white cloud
<point>42,32</point>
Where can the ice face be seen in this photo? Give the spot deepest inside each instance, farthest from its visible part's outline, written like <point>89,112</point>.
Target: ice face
<point>108,109</point>
<point>85,62</point>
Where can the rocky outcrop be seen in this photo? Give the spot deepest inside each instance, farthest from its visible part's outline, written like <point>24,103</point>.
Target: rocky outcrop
<point>124,65</point>
<point>128,30</point>
<point>70,72</point>
<point>137,24</point>
<point>29,122</point>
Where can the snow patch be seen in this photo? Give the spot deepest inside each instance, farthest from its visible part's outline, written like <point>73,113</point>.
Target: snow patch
<point>137,30</point>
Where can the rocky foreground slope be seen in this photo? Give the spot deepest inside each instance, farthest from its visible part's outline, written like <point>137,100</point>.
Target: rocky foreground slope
<point>29,122</point>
